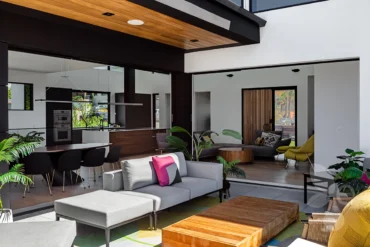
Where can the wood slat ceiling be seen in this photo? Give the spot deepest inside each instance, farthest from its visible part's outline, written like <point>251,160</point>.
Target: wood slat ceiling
<point>158,27</point>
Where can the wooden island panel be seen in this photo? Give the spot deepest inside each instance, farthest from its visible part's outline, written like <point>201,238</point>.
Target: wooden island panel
<point>135,141</point>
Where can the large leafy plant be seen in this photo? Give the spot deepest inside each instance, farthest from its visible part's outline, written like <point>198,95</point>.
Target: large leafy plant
<point>200,145</point>
<point>348,173</point>
<point>230,168</point>
<point>12,150</point>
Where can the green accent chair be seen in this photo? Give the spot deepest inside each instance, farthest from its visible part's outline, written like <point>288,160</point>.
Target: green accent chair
<point>302,153</point>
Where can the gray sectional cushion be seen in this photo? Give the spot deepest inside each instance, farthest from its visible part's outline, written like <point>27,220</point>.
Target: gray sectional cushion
<point>138,173</point>
<point>38,234</point>
<point>164,197</point>
<point>103,208</point>
<point>197,186</point>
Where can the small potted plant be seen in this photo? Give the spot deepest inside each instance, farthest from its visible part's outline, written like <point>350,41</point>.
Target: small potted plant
<point>230,169</point>
<point>12,150</point>
<point>199,146</point>
<point>349,174</point>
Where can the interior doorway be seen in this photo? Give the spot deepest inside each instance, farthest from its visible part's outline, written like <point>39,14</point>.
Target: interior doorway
<point>202,111</point>
<point>269,109</point>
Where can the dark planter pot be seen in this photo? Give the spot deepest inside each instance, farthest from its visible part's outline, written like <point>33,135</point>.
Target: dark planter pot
<point>226,189</point>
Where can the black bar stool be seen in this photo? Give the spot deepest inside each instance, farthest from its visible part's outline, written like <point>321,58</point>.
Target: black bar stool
<point>92,159</point>
<point>38,164</point>
<point>69,161</point>
<point>113,156</point>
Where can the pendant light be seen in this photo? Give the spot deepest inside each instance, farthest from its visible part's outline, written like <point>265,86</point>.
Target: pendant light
<point>63,77</point>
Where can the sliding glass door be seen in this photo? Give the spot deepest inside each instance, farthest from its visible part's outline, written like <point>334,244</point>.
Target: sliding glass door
<point>285,112</point>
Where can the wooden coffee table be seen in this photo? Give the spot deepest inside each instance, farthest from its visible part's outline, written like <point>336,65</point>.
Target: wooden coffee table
<point>241,222</point>
<point>245,155</point>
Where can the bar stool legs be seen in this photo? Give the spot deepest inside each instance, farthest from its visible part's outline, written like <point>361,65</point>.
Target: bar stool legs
<point>48,182</point>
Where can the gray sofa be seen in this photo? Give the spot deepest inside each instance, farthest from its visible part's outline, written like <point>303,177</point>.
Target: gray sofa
<point>138,178</point>
<point>258,151</point>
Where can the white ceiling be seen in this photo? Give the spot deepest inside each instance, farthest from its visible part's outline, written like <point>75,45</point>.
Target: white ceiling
<point>45,64</point>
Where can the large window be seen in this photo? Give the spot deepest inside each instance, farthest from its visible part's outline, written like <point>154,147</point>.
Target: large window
<point>89,110</point>
<point>20,96</point>
<point>285,112</point>
<point>238,2</point>
<point>263,5</point>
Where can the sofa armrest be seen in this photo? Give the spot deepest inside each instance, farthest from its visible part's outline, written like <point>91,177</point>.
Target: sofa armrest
<point>207,170</point>
<point>285,142</point>
<point>113,181</point>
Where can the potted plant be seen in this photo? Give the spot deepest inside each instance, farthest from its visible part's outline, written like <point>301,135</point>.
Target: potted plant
<point>349,174</point>
<point>230,169</point>
<point>181,145</point>
<point>12,150</point>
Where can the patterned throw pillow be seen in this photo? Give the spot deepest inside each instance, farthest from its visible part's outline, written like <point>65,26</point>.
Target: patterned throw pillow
<point>166,170</point>
<point>259,141</point>
<point>270,139</point>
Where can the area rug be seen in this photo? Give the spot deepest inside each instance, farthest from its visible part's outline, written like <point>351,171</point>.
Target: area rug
<point>137,234</point>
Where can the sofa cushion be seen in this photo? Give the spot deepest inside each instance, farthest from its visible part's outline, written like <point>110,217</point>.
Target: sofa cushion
<point>103,208</point>
<point>259,133</point>
<point>352,228</point>
<point>166,170</point>
<point>139,173</point>
<point>197,186</point>
<point>270,139</point>
<point>164,197</point>
<point>38,234</point>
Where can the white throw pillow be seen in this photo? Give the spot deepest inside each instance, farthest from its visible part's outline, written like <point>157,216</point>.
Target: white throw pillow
<point>270,139</point>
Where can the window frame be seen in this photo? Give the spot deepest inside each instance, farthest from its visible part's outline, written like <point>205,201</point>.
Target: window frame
<point>91,91</point>
<point>24,96</point>
<point>283,7</point>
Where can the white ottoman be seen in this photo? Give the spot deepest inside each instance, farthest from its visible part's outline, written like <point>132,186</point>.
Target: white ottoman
<point>104,209</point>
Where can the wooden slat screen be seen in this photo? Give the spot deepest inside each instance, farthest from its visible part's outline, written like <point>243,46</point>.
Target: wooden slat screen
<point>257,111</point>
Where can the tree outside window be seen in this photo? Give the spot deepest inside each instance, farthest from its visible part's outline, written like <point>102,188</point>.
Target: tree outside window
<point>86,110</point>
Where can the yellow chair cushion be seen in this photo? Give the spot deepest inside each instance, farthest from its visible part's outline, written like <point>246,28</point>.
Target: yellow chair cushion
<point>353,226</point>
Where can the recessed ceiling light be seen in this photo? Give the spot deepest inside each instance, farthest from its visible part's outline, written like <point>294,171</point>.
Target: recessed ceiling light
<point>135,22</point>
<point>194,40</point>
<point>108,14</point>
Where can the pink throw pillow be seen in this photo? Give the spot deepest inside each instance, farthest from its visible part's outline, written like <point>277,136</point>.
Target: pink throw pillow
<point>365,178</point>
<point>166,170</point>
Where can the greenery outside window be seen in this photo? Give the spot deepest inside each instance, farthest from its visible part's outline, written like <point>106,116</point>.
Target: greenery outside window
<point>87,110</point>
<point>20,96</point>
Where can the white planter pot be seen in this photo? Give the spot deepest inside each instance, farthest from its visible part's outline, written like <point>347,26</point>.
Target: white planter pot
<point>6,215</point>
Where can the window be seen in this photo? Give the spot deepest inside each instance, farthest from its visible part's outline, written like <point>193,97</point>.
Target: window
<point>89,110</point>
<point>263,5</point>
<point>285,113</point>
<point>156,119</point>
<point>238,2</point>
<point>20,96</point>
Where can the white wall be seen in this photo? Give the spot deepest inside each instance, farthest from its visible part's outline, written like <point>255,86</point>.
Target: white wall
<point>226,95</point>
<point>337,111</point>
<point>328,30</point>
<point>88,79</point>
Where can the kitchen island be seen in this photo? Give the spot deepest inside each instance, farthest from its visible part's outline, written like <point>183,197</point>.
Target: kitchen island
<point>131,141</point>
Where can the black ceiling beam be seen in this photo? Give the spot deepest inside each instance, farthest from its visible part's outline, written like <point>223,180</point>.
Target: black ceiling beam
<point>34,31</point>
<point>243,29</point>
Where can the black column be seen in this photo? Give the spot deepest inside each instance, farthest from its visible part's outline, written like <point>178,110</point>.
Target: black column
<point>181,88</point>
<point>4,113</point>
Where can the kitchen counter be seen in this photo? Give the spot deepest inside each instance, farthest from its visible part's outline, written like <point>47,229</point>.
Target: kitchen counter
<point>131,141</point>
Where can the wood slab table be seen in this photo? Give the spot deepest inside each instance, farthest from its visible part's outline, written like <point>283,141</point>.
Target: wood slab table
<point>241,222</point>
<point>244,155</point>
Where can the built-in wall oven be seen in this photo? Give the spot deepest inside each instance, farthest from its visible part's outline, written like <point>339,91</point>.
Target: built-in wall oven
<point>62,126</point>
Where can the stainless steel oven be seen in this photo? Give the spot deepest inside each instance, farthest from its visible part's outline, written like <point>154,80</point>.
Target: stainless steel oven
<point>62,126</point>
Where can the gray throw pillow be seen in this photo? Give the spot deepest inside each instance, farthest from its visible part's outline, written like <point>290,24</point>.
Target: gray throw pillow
<point>270,139</point>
